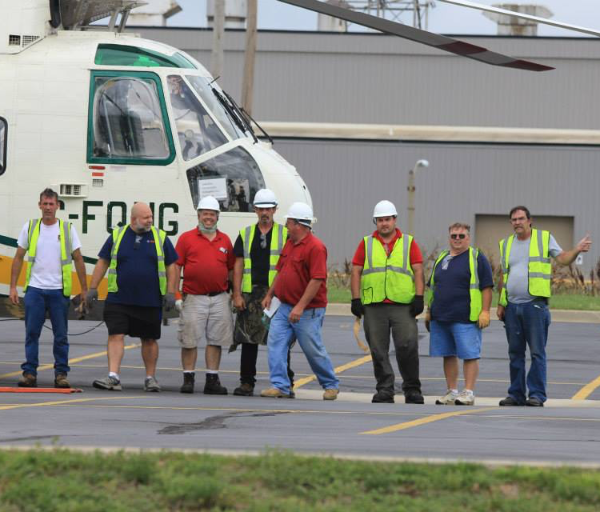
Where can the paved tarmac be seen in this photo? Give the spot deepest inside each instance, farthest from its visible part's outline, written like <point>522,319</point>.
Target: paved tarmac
<point>566,431</point>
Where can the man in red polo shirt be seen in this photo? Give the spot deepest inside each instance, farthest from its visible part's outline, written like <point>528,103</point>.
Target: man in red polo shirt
<point>387,288</point>
<point>207,258</point>
<point>301,287</point>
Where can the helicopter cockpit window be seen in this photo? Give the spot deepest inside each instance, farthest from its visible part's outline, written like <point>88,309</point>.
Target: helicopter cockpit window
<point>123,55</point>
<point>233,178</point>
<point>128,120</point>
<point>196,129</point>
<point>3,144</point>
<point>205,91</point>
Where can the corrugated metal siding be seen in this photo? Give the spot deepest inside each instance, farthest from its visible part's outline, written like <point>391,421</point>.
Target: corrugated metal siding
<point>346,179</point>
<point>369,78</point>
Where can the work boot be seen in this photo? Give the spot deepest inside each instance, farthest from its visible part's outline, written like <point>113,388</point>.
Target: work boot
<point>534,401</point>
<point>509,401</point>
<point>61,382</point>
<point>414,397</point>
<point>274,393</point>
<point>28,380</point>
<point>189,379</point>
<point>246,389</point>
<point>213,385</point>
<point>383,397</point>
<point>331,394</point>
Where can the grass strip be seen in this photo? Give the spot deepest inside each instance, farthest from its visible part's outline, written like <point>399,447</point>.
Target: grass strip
<point>67,481</point>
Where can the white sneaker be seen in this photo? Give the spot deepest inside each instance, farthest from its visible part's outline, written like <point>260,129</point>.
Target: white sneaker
<point>448,399</point>
<point>465,398</point>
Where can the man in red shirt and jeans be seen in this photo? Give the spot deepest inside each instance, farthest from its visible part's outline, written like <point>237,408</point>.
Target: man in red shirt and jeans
<point>387,288</point>
<point>207,258</point>
<point>301,287</point>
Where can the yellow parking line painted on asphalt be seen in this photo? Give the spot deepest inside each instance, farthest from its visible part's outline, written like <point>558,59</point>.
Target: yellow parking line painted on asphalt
<point>71,361</point>
<point>69,402</point>
<point>425,421</point>
<point>339,369</point>
<point>587,390</point>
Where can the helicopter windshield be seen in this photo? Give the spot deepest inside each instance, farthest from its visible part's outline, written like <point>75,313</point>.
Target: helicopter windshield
<point>196,129</point>
<point>204,89</point>
<point>128,121</point>
<point>233,178</point>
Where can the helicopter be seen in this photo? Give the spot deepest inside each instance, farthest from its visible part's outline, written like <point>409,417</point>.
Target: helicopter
<point>107,119</point>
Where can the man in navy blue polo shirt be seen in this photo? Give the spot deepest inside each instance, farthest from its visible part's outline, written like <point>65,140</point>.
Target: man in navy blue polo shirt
<point>461,283</point>
<point>142,276</point>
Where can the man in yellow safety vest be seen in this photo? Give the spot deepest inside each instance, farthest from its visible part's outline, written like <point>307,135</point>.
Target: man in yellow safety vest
<point>52,245</point>
<point>387,288</point>
<point>257,250</point>
<point>524,289</point>
<point>142,278</point>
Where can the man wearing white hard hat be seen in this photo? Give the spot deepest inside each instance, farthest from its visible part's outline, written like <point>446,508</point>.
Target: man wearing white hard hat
<point>300,285</point>
<point>387,288</point>
<point>206,256</point>
<point>257,250</point>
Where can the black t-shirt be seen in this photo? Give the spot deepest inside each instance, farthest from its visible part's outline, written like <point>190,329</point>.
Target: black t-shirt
<point>259,256</point>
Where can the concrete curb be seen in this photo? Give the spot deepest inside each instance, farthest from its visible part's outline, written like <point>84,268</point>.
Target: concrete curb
<point>558,315</point>
<point>317,394</point>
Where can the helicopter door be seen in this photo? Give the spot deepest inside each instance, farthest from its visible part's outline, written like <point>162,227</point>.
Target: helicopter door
<point>3,144</point>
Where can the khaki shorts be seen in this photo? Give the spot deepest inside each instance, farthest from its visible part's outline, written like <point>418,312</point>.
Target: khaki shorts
<point>206,319</point>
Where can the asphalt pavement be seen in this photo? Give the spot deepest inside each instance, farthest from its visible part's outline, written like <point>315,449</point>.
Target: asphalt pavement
<point>566,431</point>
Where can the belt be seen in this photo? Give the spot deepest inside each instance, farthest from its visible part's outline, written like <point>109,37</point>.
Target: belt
<point>211,294</point>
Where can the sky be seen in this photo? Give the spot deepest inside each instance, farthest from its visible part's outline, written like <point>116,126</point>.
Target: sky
<point>443,18</point>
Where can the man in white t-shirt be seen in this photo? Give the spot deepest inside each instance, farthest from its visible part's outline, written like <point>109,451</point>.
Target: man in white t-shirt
<point>525,288</point>
<point>51,245</point>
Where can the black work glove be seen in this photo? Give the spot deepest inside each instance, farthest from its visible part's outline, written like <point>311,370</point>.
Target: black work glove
<point>169,301</point>
<point>357,308</point>
<point>90,298</point>
<point>417,306</point>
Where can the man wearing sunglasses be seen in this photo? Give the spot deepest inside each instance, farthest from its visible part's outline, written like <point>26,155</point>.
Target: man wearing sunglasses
<point>525,287</point>
<point>257,250</point>
<point>387,288</point>
<point>461,284</point>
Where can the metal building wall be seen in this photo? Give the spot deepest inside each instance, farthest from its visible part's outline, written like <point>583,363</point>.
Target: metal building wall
<point>373,78</point>
<point>346,179</point>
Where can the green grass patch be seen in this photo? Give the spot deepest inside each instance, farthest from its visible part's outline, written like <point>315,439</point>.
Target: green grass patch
<point>574,301</point>
<point>64,481</point>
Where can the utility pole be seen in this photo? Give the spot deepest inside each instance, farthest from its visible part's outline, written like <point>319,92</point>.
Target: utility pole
<point>216,61</point>
<point>411,193</point>
<point>249,58</point>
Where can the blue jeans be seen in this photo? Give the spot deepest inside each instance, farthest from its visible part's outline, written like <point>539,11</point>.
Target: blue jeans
<point>527,325</point>
<point>308,334</point>
<point>37,302</point>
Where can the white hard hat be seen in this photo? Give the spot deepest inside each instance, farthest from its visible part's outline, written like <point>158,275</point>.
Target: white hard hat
<point>208,203</point>
<point>301,212</point>
<point>265,198</point>
<point>384,209</point>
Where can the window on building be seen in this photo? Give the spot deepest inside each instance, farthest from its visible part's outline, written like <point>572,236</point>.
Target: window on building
<point>233,178</point>
<point>128,120</point>
<point>196,129</point>
<point>3,144</point>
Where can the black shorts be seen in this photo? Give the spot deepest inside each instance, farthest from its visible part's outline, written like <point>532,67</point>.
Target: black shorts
<point>135,321</point>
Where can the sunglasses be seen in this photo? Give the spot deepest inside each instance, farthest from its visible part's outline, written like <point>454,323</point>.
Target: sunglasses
<point>455,236</point>
<point>263,241</point>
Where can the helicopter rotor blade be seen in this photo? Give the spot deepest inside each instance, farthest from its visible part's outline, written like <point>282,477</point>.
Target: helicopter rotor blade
<point>440,42</point>
<point>537,19</point>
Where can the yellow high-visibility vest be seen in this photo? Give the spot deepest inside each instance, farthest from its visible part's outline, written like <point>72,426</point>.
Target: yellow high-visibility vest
<point>278,239</point>
<point>159,240</point>
<point>540,266</point>
<point>66,252</point>
<point>476,301</point>
<point>386,277</point>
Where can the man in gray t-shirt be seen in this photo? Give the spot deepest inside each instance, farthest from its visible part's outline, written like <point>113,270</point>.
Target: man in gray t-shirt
<point>523,303</point>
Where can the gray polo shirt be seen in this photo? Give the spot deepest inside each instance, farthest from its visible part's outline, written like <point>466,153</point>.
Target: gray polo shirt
<point>517,287</point>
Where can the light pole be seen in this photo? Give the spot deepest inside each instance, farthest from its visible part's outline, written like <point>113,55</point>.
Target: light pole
<point>411,193</point>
